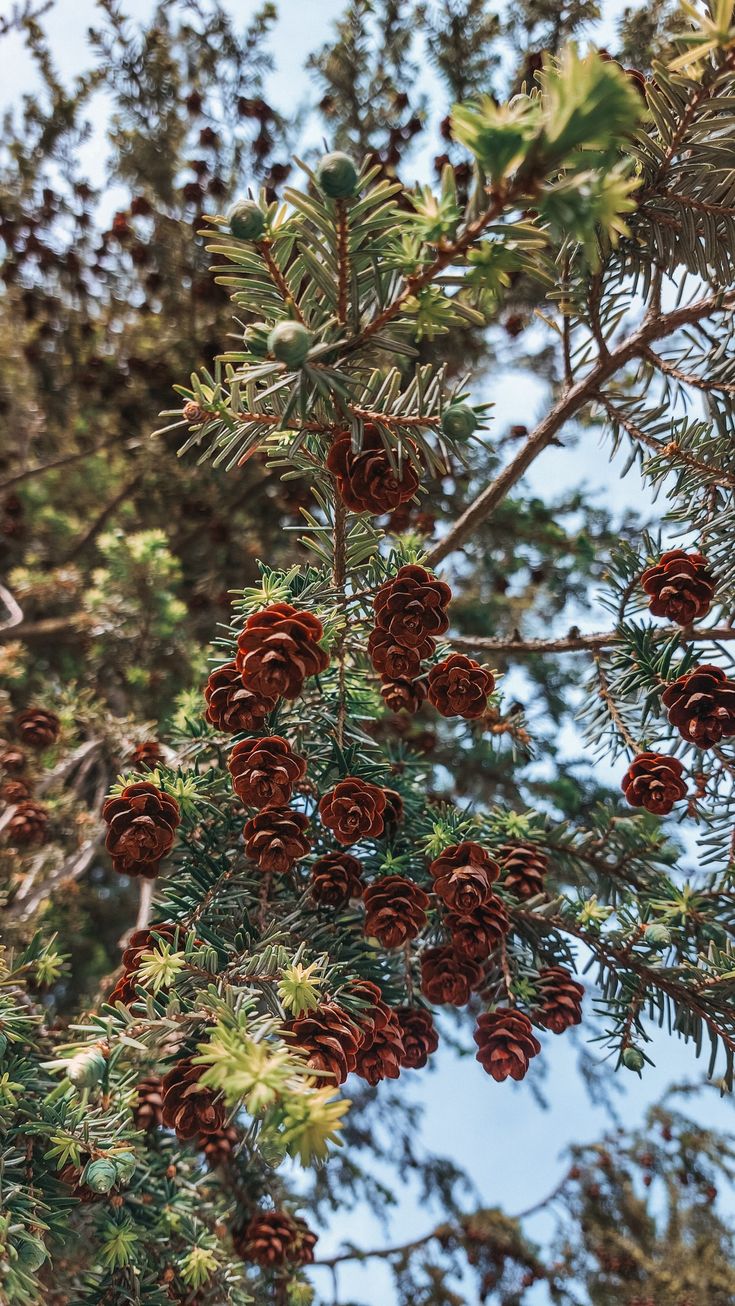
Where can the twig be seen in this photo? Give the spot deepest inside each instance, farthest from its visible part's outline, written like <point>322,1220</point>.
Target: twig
<point>145,902</point>
<point>575,642</point>
<point>343,261</point>
<point>99,521</point>
<point>68,458</point>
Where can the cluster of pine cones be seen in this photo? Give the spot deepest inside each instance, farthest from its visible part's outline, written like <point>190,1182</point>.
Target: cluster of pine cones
<point>27,822</point>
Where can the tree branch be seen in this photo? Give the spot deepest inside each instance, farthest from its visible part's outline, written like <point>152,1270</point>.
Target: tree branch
<point>574,642</point>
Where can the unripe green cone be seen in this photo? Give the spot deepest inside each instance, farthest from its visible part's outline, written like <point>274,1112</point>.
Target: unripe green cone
<point>289,342</point>
<point>657,935</point>
<point>255,338</point>
<point>31,1254</point>
<point>100,1175</point>
<point>124,1166</point>
<point>247,220</point>
<point>86,1068</point>
<point>459,422</point>
<point>633,1060</point>
<point>337,175</point>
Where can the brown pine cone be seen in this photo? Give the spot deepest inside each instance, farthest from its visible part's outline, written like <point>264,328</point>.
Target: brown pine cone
<point>525,868</point>
<point>141,823</point>
<point>329,1039</point>
<point>403,695</point>
<point>394,661</point>
<point>561,999</point>
<point>380,1054</point>
<point>420,1038</point>
<point>335,878</point>
<point>12,759</point>
<point>463,876</point>
<point>187,1106</point>
<point>274,1239</point>
<point>219,1146</point>
<point>278,649</point>
<point>37,727</point>
<point>394,810</point>
<point>353,810</point>
<point>14,791</point>
<point>654,781</point>
<point>506,1043</point>
<point>71,1175</point>
<point>681,586</point>
<point>305,1240</point>
<point>276,838</point>
<point>28,825</point>
<point>368,480</point>
<point>149,754</point>
<point>411,607</point>
<point>701,705</point>
<point>459,686</point>
<point>232,707</point>
<point>264,771</point>
<point>478,934</point>
<point>446,977</point>
<point>395,910</point>
<point>148,1109</point>
<point>140,941</point>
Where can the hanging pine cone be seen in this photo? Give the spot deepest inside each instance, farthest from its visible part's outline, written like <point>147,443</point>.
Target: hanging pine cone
<point>394,810</point>
<point>335,878</point>
<point>37,727</point>
<point>329,1039</point>
<point>560,999</point>
<point>477,934</point>
<point>395,910</point>
<point>187,1106</point>
<point>394,661</point>
<point>147,755</point>
<point>275,1239</point>
<point>141,823</point>
<point>448,978</point>
<point>381,1051</point>
<point>701,705</point>
<point>232,707</point>
<point>459,686</point>
<point>654,781</point>
<point>278,649</point>
<point>148,1108</point>
<point>680,585</point>
<point>12,759</point>
<point>506,1043</point>
<point>28,825</point>
<point>411,607</point>
<point>463,876</point>
<point>140,941</point>
<point>14,791</point>
<point>275,839</point>
<point>525,868</point>
<point>368,480</point>
<point>420,1038</point>
<point>265,770</point>
<point>353,810</point>
<point>220,1146</point>
<point>403,695</point>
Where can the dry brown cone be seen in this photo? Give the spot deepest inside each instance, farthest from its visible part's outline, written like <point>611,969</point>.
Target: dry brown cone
<point>276,839</point>
<point>478,934</point>
<point>264,771</point>
<point>148,755</point>
<point>28,825</point>
<point>394,811</point>
<point>367,480</point>
<point>420,1038</point>
<point>71,1175</point>
<point>148,1109</point>
<point>232,707</point>
<point>447,977</point>
<point>14,791</point>
<point>560,999</point>
<point>403,695</point>
<point>140,941</point>
<point>189,1107</point>
<point>395,910</point>
<point>464,875</point>
<point>141,825</point>
<point>459,686</point>
<point>353,810</point>
<point>680,586</point>
<point>335,878</point>
<point>219,1147</point>
<point>525,867</point>
<point>275,1239</point>
<point>654,781</point>
<point>506,1043</point>
<point>37,727</point>
<point>394,661</point>
<point>279,649</point>
<point>701,704</point>
<point>412,607</point>
<point>328,1038</point>
<point>381,1053</point>
<point>12,760</point>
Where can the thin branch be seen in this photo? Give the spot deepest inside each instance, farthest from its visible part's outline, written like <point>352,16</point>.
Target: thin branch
<point>64,461</point>
<point>66,628</point>
<point>101,520</point>
<point>574,642</point>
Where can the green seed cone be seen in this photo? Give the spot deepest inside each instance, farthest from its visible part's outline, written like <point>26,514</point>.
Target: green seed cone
<point>246,220</point>
<point>337,175</point>
<point>289,342</point>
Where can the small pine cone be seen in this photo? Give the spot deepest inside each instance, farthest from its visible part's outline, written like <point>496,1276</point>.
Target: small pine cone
<point>478,934</point>
<point>275,839</point>
<point>270,1240</point>
<point>561,999</point>
<point>149,754</point>
<point>140,941</point>
<point>680,586</point>
<point>305,1240</point>
<point>187,1106</point>
<point>394,810</point>
<point>28,825</point>
<point>368,480</point>
<point>654,781</point>
<point>264,771</point>
<point>701,705</point>
<point>395,910</point>
<point>381,1052</point>
<point>141,822</point>
<point>232,707</point>
<point>525,868</point>
<point>329,1039</point>
<point>13,760</point>
<point>448,978</point>
<point>71,1175</point>
<point>403,695</point>
<point>37,727</point>
<point>506,1043</point>
<point>335,878</point>
<point>148,1109</point>
<point>353,810</point>
<point>420,1038</point>
<point>219,1146</point>
<point>463,876</point>
<point>14,791</point>
<point>459,686</point>
<point>411,607</point>
<point>394,661</point>
<point>278,649</point>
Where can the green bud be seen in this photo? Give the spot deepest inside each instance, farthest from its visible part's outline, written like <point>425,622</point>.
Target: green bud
<point>459,422</point>
<point>100,1175</point>
<point>86,1068</point>
<point>247,220</point>
<point>337,175</point>
<point>255,338</point>
<point>300,1293</point>
<point>289,342</point>
<point>31,1254</point>
<point>657,935</point>
<point>634,1060</point>
<point>125,1163</point>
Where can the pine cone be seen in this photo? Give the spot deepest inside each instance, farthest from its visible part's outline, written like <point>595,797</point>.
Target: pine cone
<point>411,607</point>
<point>37,727</point>
<point>329,1039</point>
<point>561,999</point>
<point>278,649</point>
<point>274,1239</point>
<point>395,910</point>
<point>463,877</point>
<point>680,585</point>
<point>506,1043</point>
<point>394,661</point>
<point>14,791</point>
<point>353,810</point>
<point>420,1038</point>
<point>187,1106</point>
<point>28,825</point>
<point>702,705</point>
<point>219,1146</point>
<point>149,754</point>
<point>141,823</point>
<point>654,781</point>
<point>368,481</point>
<point>12,759</point>
<point>394,810</point>
<point>525,867</point>
<point>276,838</point>
<point>403,695</point>
<point>148,1110</point>
<point>446,977</point>
<point>232,707</point>
<point>380,1054</point>
<point>459,686</point>
<point>140,941</point>
<point>335,878</point>
<point>478,934</point>
<point>264,771</point>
